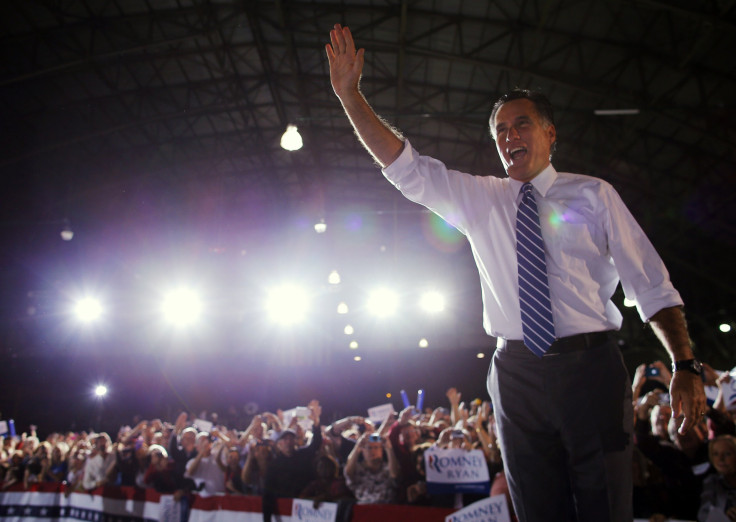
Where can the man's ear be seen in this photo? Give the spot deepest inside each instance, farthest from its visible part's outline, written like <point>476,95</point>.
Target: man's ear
<point>552,134</point>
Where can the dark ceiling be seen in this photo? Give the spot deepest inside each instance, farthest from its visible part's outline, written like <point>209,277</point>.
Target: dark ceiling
<point>152,128</point>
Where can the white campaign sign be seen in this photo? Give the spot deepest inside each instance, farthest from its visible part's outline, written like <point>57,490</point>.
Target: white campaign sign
<point>378,414</point>
<point>491,509</point>
<point>304,510</point>
<point>455,466</point>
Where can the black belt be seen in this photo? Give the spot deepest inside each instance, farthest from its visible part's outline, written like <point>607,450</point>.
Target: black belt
<point>573,343</point>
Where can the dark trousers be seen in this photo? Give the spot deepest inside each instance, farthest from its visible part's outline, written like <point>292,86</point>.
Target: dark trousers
<point>565,425</point>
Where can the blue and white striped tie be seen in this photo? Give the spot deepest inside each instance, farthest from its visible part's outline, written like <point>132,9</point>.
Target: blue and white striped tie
<point>536,308</point>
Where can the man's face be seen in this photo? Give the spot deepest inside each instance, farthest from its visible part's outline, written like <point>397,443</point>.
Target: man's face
<point>286,444</point>
<point>522,139</point>
<point>188,440</point>
<point>373,451</point>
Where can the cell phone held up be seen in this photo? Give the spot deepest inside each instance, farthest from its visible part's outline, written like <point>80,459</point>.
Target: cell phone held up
<point>652,371</point>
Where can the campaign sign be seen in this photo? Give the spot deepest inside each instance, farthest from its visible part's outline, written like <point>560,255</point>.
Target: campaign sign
<point>304,510</point>
<point>203,425</point>
<point>491,509</point>
<point>378,414</point>
<point>302,415</point>
<point>170,509</point>
<point>3,427</point>
<point>456,471</point>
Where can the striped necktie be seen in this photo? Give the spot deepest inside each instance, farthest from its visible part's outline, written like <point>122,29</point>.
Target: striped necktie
<point>536,308</point>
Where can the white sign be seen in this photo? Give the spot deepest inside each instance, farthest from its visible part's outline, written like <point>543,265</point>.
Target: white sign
<point>456,471</point>
<point>170,509</point>
<point>203,425</point>
<point>302,417</point>
<point>378,414</point>
<point>304,510</point>
<point>491,509</point>
<point>3,427</point>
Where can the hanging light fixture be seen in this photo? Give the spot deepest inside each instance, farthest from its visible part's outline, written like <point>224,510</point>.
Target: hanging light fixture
<point>291,139</point>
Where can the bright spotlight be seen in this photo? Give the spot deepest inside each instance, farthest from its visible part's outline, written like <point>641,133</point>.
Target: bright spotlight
<point>287,304</point>
<point>629,303</point>
<point>334,278</point>
<point>342,308</point>
<point>724,327</point>
<point>100,390</point>
<point>357,358</point>
<point>353,345</point>
<point>423,343</point>
<point>383,302</point>
<point>349,330</point>
<point>480,355</point>
<point>88,309</point>
<point>432,302</point>
<point>182,307</point>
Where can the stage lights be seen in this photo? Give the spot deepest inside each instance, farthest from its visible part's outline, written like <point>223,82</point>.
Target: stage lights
<point>432,302</point>
<point>182,307</point>
<point>100,391</point>
<point>88,309</point>
<point>383,302</point>
<point>287,304</point>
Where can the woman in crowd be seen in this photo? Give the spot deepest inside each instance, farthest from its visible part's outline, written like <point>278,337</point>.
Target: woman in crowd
<point>719,490</point>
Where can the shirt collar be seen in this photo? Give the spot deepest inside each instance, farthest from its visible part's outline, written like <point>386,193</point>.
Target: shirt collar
<point>542,181</point>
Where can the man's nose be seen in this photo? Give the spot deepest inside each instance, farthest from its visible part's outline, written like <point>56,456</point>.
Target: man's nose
<point>512,133</point>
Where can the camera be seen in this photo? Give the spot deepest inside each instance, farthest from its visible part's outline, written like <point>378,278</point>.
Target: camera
<point>374,437</point>
<point>651,371</point>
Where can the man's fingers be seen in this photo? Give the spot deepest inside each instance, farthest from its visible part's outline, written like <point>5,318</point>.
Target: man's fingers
<point>349,42</point>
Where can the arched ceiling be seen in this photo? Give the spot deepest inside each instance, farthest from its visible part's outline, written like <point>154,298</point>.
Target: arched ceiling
<point>127,116</point>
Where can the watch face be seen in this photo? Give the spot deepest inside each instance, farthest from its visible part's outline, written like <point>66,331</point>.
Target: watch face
<point>697,366</point>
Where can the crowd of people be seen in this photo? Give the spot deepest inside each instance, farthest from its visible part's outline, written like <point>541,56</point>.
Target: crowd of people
<point>352,460</point>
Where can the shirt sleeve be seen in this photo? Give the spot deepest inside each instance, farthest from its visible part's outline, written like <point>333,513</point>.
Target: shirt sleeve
<point>427,181</point>
<point>644,277</point>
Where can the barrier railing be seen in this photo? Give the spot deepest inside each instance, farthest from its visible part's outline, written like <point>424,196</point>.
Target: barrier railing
<point>52,502</point>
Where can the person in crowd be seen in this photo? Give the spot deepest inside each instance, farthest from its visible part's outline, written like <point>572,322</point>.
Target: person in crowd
<point>182,449</point>
<point>15,470</point>
<point>161,474</point>
<point>719,489</point>
<point>403,436</point>
<point>328,485</point>
<point>58,465</point>
<point>547,288</point>
<point>231,468</point>
<point>654,441</point>
<point>342,445</point>
<point>291,469</point>
<point>260,454</point>
<point>372,479</point>
<point>98,462</point>
<point>204,469</point>
<point>37,465</point>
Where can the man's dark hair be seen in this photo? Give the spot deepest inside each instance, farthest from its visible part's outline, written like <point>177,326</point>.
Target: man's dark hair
<point>541,104</point>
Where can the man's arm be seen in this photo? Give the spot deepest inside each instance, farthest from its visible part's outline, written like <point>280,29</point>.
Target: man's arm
<point>346,66</point>
<point>687,395</point>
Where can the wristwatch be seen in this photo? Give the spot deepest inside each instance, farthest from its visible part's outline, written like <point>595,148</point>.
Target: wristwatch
<point>691,365</point>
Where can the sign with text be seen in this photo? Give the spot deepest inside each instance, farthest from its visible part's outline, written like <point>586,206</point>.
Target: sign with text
<point>302,417</point>
<point>170,509</point>
<point>304,510</point>
<point>491,509</point>
<point>378,414</point>
<point>456,471</point>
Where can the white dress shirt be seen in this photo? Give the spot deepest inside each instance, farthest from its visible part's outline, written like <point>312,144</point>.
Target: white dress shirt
<point>591,241</point>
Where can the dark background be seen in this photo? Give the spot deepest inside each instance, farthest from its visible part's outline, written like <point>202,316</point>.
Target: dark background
<point>152,130</point>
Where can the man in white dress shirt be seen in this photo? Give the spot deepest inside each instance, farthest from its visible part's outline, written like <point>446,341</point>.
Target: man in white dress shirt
<point>564,413</point>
